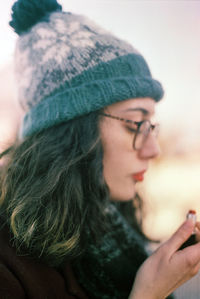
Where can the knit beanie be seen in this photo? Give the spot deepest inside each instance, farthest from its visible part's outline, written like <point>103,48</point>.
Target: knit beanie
<point>67,66</point>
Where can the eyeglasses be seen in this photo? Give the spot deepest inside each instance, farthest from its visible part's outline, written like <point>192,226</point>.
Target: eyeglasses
<point>142,131</point>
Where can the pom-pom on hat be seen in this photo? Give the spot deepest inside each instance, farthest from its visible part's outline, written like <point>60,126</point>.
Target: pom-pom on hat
<point>67,66</point>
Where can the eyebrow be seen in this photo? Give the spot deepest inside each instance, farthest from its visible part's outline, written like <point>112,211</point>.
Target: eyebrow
<point>144,111</point>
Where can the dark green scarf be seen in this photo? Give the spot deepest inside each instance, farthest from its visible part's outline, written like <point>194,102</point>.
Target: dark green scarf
<point>107,271</point>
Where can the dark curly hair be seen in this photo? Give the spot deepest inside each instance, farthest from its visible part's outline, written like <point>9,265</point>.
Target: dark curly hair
<point>53,190</point>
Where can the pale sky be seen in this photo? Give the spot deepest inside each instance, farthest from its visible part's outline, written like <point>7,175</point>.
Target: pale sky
<point>166,32</point>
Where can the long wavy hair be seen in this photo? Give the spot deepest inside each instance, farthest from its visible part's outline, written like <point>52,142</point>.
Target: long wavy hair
<point>53,190</point>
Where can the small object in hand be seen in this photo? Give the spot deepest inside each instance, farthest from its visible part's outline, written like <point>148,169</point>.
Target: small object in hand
<point>192,239</point>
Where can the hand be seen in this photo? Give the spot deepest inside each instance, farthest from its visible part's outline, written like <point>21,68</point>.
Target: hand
<point>168,268</point>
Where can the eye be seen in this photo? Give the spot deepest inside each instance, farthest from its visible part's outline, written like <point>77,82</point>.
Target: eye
<point>132,129</point>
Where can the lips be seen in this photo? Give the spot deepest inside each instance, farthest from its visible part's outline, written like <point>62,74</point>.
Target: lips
<point>139,176</point>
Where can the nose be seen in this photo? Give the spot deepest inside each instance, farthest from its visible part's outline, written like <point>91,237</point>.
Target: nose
<point>150,149</point>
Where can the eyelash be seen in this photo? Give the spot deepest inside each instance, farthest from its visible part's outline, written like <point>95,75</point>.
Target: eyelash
<point>131,130</point>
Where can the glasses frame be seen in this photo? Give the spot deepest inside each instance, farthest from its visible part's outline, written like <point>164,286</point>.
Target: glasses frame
<point>152,127</point>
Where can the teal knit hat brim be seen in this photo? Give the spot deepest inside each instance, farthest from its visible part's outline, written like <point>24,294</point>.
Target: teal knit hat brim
<point>67,66</point>
<point>128,77</point>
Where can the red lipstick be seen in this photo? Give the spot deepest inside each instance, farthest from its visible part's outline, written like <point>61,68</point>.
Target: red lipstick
<point>139,176</point>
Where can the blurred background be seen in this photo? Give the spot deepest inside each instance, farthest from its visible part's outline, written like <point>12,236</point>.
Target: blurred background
<point>167,33</point>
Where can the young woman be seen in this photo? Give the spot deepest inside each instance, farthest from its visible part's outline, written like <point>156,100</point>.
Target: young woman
<point>69,185</point>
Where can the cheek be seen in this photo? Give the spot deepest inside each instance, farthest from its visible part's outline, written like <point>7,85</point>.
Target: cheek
<point>118,166</point>
<point>114,154</point>
<point>119,159</point>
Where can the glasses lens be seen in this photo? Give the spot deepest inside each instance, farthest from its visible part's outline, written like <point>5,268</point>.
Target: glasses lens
<point>142,134</point>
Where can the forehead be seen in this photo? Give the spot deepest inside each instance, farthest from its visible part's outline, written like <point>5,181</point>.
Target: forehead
<point>143,105</point>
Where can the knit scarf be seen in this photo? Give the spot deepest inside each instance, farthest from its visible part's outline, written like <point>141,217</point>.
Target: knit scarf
<point>108,270</point>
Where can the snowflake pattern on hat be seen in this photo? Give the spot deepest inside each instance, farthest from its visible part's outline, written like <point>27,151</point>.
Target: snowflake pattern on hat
<point>67,66</point>
<point>67,44</point>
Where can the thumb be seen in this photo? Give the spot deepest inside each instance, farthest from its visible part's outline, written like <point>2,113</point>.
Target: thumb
<point>180,236</point>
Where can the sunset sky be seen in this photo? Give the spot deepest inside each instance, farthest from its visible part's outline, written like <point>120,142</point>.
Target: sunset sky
<point>166,32</point>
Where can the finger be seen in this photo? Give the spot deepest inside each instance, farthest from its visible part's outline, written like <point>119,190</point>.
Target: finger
<point>198,225</point>
<point>197,268</point>
<point>179,237</point>
<point>193,253</point>
<point>197,231</point>
<point>197,236</point>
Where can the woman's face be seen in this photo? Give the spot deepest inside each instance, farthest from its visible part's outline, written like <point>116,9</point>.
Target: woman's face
<point>123,166</point>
